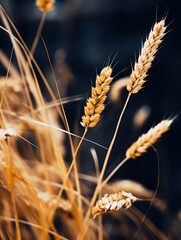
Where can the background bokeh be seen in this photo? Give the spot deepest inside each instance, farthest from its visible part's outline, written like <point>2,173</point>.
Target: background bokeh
<point>82,36</point>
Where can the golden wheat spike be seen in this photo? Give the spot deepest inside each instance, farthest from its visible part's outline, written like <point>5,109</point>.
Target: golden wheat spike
<point>146,57</point>
<point>95,104</point>
<point>45,5</point>
<point>113,202</point>
<point>144,142</point>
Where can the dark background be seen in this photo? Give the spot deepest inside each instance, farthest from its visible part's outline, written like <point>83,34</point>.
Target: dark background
<point>90,32</point>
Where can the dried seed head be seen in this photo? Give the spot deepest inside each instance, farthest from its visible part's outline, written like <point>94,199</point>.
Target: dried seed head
<point>144,142</point>
<point>113,202</point>
<point>45,5</point>
<point>4,133</point>
<point>95,104</point>
<point>146,57</point>
<point>62,205</point>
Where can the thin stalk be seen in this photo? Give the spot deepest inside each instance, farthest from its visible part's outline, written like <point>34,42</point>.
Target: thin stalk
<point>153,198</point>
<point>113,172</point>
<point>7,74</point>
<point>37,37</point>
<point>12,188</point>
<point>66,178</point>
<point>97,170</point>
<point>85,223</point>
<point>65,121</point>
<point>34,225</point>
<point>1,235</point>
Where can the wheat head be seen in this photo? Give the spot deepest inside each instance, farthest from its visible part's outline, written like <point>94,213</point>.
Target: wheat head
<point>95,104</point>
<point>144,142</point>
<point>45,5</point>
<point>146,57</point>
<point>113,202</point>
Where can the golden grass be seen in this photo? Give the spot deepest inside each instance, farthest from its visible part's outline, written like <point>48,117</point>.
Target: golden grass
<point>43,196</point>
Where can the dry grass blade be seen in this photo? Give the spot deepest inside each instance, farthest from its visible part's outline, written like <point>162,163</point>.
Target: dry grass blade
<point>95,104</point>
<point>144,142</point>
<point>146,57</point>
<point>113,202</point>
<point>45,5</point>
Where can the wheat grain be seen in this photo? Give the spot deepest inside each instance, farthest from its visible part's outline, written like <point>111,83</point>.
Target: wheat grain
<point>45,5</point>
<point>139,147</point>
<point>95,104</point>
<point>146,57</point>
<point>113,202</point>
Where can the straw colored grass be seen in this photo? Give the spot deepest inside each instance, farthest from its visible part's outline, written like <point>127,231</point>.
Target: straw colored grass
<point>42,194</point>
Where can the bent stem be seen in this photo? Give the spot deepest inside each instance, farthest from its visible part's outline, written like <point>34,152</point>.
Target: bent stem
<point>85,223</point>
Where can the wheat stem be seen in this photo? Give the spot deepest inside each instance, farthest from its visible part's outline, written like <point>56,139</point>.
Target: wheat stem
<point>85,223</point>
<point>12,189</point>
<point>37,37</point>
<point>78,219</point>
<point>45,5</point>
<point>113,172</point>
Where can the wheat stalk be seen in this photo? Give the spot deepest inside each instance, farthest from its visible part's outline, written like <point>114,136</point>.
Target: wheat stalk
<point>113,202</point>
<point>95,104</point>
<point>144,142</point>
<point>45,5</point>
<point>146,57</point>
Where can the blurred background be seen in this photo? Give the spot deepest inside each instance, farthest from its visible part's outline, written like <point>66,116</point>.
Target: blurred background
<point>82,36</point>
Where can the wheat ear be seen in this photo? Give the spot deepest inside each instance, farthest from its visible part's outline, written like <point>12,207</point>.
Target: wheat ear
<point>146,57</point>
<point>113,202</point>
<point>95,104</point>
<point>139,147</point>
<point>45,5</point>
